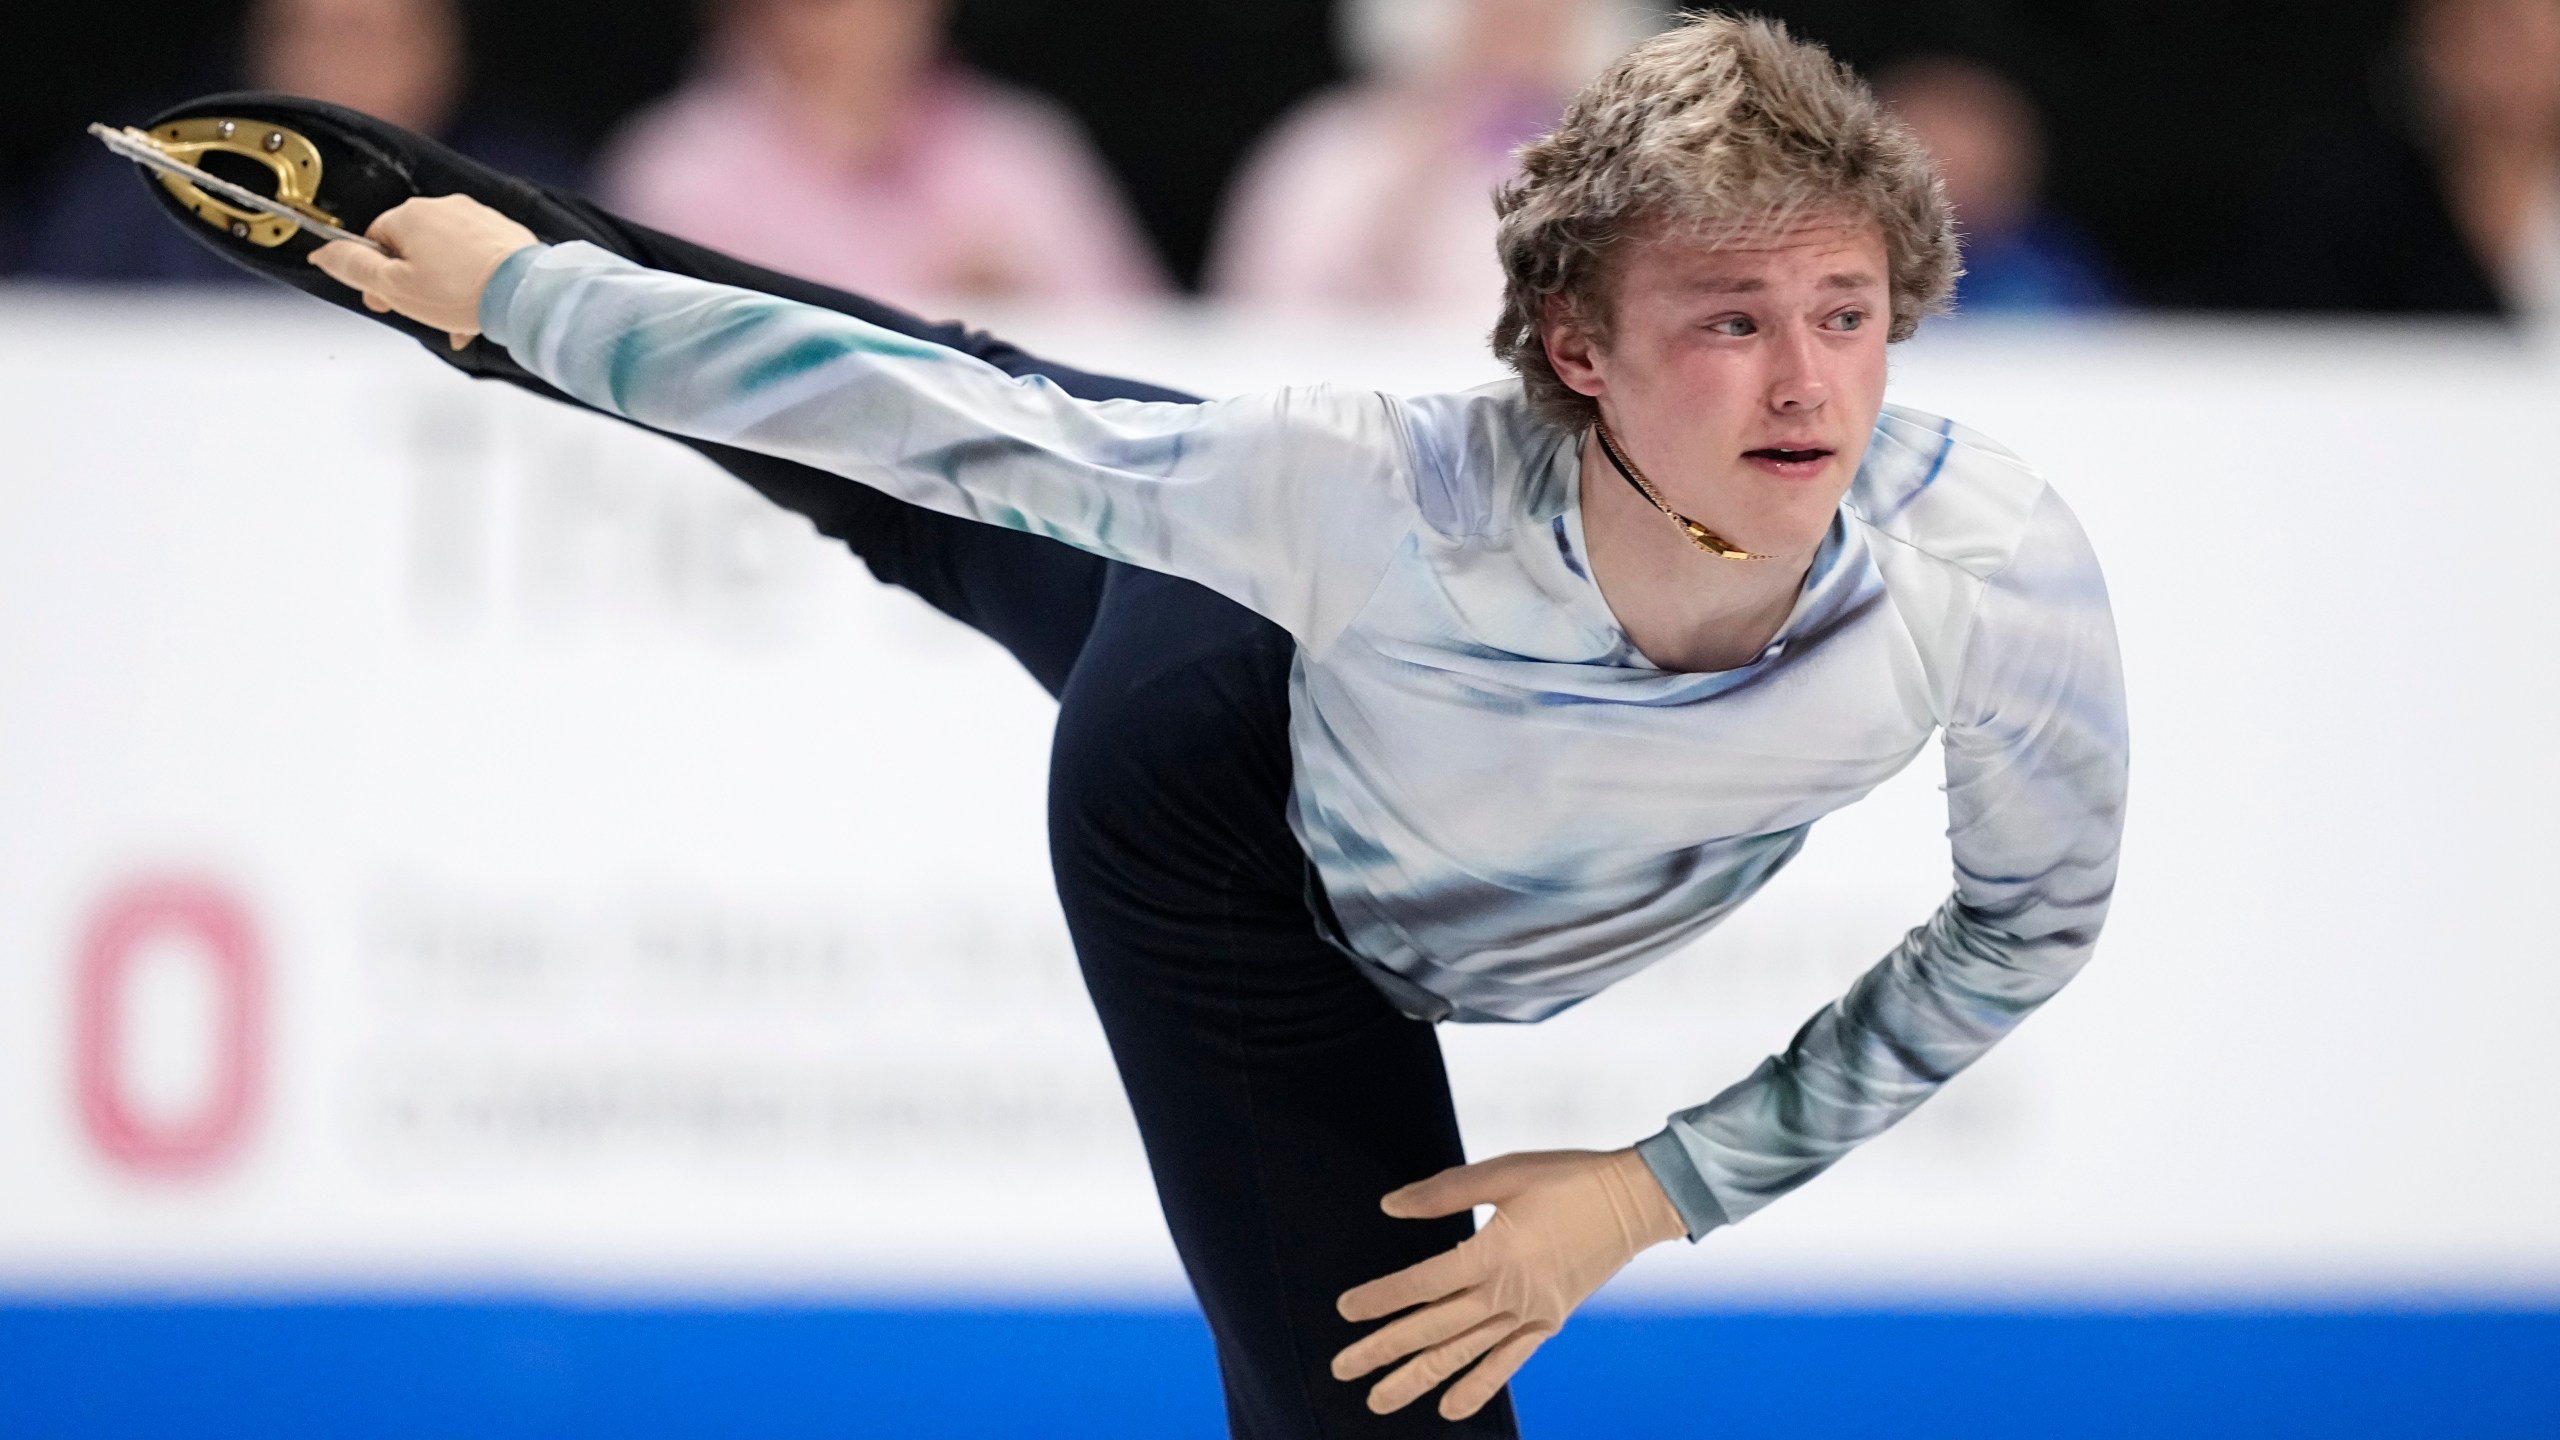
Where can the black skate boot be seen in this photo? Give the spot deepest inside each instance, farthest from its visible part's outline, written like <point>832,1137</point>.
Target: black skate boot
<point>350,167</point>
<point>353,167</point>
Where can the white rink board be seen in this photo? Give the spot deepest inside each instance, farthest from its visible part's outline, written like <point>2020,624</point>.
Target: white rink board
<point>643,899</point>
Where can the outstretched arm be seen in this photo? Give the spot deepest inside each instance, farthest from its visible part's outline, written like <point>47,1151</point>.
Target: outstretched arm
<point>1290,503</point>
<point>2035,753</point>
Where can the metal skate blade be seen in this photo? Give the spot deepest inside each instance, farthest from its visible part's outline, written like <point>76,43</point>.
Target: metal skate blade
<point>140,148</point>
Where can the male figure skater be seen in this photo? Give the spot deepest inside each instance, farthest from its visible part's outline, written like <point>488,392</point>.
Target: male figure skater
<point>1378,712</point>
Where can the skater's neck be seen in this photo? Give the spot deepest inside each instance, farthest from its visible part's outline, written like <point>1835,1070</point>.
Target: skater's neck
<point>1684,608</point>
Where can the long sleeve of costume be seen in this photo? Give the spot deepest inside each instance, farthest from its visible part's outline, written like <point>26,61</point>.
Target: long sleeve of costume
<point>1291,503</point>
<point>2035,763</point>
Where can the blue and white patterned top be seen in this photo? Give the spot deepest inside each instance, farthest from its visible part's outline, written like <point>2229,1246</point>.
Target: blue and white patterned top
<point>1509,806</point>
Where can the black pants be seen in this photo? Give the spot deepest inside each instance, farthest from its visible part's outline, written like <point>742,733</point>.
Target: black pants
<point>1279,1095</point>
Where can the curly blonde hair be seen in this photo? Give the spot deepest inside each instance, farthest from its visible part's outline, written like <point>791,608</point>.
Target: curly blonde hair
<point>1720,128</point>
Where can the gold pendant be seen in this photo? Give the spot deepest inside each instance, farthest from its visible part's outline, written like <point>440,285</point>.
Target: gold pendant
<point>1699,535</point>
<point>1709,541</point>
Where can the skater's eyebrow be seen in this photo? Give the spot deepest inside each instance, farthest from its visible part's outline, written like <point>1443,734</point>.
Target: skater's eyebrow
<point>1755,284</point>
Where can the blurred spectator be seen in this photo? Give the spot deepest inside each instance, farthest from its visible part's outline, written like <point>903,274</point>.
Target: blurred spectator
<point>1380,192</point>
<point>2458,212</point>
<point>2018,256</point>
<point>831,139</point>
<point>402,60</point>
<point>12,232</point>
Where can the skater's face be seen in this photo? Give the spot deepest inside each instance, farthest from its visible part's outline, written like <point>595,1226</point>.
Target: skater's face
<point>1743,377</point>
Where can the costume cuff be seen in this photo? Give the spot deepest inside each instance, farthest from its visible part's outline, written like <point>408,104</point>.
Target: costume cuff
<point>1669,1161</point>
<point>501,292</point>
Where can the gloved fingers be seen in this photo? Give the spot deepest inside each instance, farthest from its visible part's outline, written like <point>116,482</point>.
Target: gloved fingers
<point>354,266</point>
<point>429,216</point>
<point>1420,1330</point>
<point>1444,1274</point>
<point>443,251</point>
<point>1460,1187</point>
<point>1418,1376</point>
<point>1491,1373</point>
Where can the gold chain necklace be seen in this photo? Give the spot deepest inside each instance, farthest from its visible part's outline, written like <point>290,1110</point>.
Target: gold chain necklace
<point>1699,535</point>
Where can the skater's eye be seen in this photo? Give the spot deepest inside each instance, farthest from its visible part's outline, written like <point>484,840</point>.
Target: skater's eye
<point>1849,320</point>
<point>1736,326</point>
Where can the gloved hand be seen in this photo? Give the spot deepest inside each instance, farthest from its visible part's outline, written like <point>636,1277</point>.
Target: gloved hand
<point>1564,1222</point>
<point>443,251</point>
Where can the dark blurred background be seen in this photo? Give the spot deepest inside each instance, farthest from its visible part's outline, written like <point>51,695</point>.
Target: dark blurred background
<point>2168,120</point>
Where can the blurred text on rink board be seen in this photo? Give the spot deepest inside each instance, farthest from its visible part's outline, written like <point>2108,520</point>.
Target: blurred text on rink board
<point>446,839</point>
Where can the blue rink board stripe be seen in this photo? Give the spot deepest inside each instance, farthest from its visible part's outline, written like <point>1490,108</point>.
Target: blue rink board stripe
<point>505,1369</point>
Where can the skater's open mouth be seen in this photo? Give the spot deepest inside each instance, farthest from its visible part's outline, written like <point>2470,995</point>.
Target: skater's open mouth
<point>1785,456</point>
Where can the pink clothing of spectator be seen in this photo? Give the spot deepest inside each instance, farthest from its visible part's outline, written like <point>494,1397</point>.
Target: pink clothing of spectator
<point>1365,197</point>
<point>978,192</point>
<point>1381,193</point>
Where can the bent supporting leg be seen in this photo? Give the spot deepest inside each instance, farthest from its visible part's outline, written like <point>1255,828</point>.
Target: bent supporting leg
<point>1278,1094</point>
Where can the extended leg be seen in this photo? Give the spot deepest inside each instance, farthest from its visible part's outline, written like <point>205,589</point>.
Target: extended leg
<point>1031,595</point>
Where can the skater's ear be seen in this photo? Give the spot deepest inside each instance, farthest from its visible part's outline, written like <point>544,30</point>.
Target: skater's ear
<point>1572,347</point>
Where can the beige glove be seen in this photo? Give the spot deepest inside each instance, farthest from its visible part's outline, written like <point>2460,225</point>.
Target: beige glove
<point>1564,1222</point>
<point>443,252</point>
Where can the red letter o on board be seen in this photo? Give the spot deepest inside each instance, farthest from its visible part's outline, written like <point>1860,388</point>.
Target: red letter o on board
<point>213,1132</point>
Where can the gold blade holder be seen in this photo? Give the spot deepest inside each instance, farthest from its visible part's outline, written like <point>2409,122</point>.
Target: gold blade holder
<point>171,150</point>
